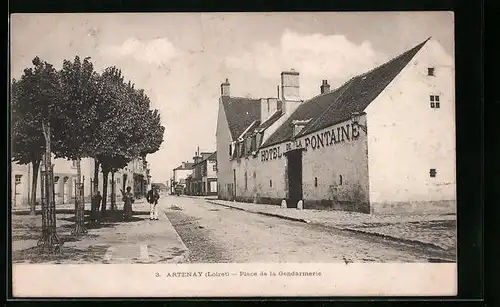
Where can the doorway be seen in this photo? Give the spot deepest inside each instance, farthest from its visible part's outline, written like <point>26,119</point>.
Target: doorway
<point>294,171</point>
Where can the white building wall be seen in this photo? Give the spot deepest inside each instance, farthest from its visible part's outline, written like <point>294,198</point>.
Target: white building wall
<point>181,174</point>
<point>328,163</point>
<point>407,138</point>
<point>211,172</point>
<point>258,179</point>
<point>224,166</point>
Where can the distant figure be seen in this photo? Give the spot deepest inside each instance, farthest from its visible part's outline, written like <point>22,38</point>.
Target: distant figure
<point>96,205</point>
<point>128,200</point>
<point>152,198</point>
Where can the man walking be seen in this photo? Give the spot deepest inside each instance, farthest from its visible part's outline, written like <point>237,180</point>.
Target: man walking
<point>152,198</point>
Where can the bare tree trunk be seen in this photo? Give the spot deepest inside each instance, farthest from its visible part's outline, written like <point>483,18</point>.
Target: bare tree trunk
<point>113,192</point>
<point>80,204</point>
<point>94,206</point>
<point>49,242</point>
<point>34,180</point>
<point>105,173</point>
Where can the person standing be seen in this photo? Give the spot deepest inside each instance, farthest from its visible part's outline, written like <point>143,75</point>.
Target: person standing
<point>128,200</point>
<point>152,198</point>
<point>96,205</point>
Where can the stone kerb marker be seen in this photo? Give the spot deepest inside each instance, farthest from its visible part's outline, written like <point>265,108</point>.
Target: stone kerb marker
<point>300,205</point>
<point>283,203</point>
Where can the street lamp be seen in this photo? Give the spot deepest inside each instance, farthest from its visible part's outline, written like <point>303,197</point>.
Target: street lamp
<point>355,116</point>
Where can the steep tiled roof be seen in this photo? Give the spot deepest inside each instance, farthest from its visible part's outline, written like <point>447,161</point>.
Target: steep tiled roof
<point>187,166</point>
<point>250,129</point>
<point>240,113</point>
<point>213,157</point>
<point>338,105</point>
<point>276,115</point>
<point>310,109</point>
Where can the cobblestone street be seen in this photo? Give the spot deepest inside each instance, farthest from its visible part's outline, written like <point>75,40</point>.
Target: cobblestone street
<point>215,233</point>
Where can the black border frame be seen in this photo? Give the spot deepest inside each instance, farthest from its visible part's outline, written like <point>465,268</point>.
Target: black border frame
<point>469,114</point>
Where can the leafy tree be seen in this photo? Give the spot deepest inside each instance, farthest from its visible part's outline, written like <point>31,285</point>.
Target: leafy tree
<point>41,94</point>
<point>27,140</point>
<point>75,123</point>
<point>131,132</point>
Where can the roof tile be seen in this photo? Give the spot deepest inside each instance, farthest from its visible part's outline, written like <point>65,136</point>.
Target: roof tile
<point>337,106</point>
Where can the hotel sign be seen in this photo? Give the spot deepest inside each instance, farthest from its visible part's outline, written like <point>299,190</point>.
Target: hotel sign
<point>314,141</point>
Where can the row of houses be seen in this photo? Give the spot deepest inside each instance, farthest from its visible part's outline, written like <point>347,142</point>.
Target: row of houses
<point>198,177</point>
<point>383,142</point>
<point>134,175</point>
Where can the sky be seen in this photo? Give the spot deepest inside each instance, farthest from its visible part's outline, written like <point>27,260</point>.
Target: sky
<point>180,59</point>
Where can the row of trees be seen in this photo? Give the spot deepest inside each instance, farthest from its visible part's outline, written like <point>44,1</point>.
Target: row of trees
<point>75,113</point>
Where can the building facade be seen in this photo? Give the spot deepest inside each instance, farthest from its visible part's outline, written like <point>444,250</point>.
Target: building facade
<point>383,142</point>
<point>180,174</point>
<point>135,175</point>
<point>202,178</point>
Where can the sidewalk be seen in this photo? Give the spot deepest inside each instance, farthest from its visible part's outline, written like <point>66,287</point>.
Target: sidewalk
<point>115,241</point>
<point>432,230</point>
<point>71,207</point>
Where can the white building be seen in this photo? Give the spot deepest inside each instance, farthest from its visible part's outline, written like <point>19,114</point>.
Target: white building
<point>382,142</point>
<point>180,174</point>
<point>135,175</point>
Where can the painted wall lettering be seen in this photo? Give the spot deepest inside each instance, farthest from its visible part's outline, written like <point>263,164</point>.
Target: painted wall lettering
<point>271,154</point>
<point>355,132</point>
<point>331,137</point>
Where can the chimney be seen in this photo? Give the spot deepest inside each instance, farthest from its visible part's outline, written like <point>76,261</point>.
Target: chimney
<point>224,88</point>
<point>325,87</point>
<point>290,85</point>
<point>289,92</point>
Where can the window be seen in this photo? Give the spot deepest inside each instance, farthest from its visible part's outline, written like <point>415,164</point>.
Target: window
<point>18,178</point>
<point>214,167</point>
<point>254,175</point>
<point>434,102</point>
<point>246,181</point>
<point>268,107</point>
<point>230,150</point>
<point>254,142</point>
<point>271,183</point>
<point>315,181</point>
<point>430,71</point>
<point>432,172</point>
<point>340,180</point>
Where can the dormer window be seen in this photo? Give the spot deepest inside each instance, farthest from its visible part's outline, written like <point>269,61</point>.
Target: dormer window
<point>298,125</point>
<point>430,71</point>
<point>297,129</point>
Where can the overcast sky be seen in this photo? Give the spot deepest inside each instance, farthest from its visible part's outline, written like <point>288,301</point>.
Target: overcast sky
<point>181,59</point>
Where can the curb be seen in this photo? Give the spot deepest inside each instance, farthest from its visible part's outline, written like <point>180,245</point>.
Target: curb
<point>284,217</point>
<point>375,234</point>
<point>185,255</point>
<point>388,237</point>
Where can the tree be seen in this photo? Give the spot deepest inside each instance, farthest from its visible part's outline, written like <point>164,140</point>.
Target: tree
<point>128,130</point>
<point>42,93</point>
<point>27,140</point>
<point>76,121</point>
